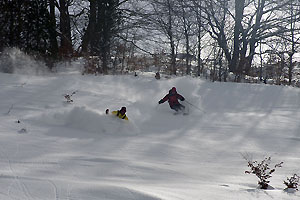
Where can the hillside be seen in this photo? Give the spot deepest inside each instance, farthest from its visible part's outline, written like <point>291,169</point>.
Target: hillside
<point>63,150</point>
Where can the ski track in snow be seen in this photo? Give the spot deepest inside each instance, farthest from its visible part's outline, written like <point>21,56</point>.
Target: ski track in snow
<point>16,178</point>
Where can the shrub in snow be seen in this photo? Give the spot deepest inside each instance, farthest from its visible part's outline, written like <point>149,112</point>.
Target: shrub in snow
<point>292,182</point>
<point>91,65</point>
<point>262,171</point>
<point>68,97</point>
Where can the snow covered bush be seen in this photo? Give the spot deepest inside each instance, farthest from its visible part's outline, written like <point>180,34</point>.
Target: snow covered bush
<point>262,171</point>
<point>292,182</point>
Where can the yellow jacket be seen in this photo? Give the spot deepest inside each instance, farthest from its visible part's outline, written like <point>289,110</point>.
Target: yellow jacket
<point>119,115</point>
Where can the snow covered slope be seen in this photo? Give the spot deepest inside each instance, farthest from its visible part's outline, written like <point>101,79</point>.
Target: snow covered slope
<point>63,150</point>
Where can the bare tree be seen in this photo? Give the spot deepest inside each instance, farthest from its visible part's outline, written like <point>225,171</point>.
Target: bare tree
<point>197,5</point>
<point>253,20</point>
<point>162,20</point>
<point>215,14</point>
<point>186,18</point>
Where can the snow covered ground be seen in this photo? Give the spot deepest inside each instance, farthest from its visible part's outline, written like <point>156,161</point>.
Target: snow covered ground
<point>73,151</point>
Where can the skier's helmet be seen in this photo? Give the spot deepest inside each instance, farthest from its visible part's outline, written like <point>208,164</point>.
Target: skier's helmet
<point>173,90</point>
<point>123,110</point>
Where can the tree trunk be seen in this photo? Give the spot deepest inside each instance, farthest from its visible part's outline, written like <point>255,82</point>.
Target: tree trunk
<point>52,30</point>
<point>199,24</point>
<point>88,40</point>
<point>239,10</point>
<point>187,48</point>
<point>187,39</point>
<point>66,47</point>
<point>253,40</point>
<point>171,39</point>
<point>293,43</point>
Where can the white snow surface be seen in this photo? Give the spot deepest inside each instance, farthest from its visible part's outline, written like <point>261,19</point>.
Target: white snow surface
<point>73,151</point>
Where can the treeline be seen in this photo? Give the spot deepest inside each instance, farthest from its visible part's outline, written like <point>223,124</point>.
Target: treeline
<point>257,38</point>
<point>27,25</point>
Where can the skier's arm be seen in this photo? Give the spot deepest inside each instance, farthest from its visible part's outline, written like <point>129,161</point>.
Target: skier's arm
<point>181,97</point>
<point>164,99</point>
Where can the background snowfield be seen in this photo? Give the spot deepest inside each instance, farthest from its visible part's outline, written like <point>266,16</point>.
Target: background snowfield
<point>73,151</point>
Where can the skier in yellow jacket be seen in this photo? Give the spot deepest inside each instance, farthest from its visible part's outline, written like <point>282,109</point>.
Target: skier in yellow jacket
<point>119,113</point>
